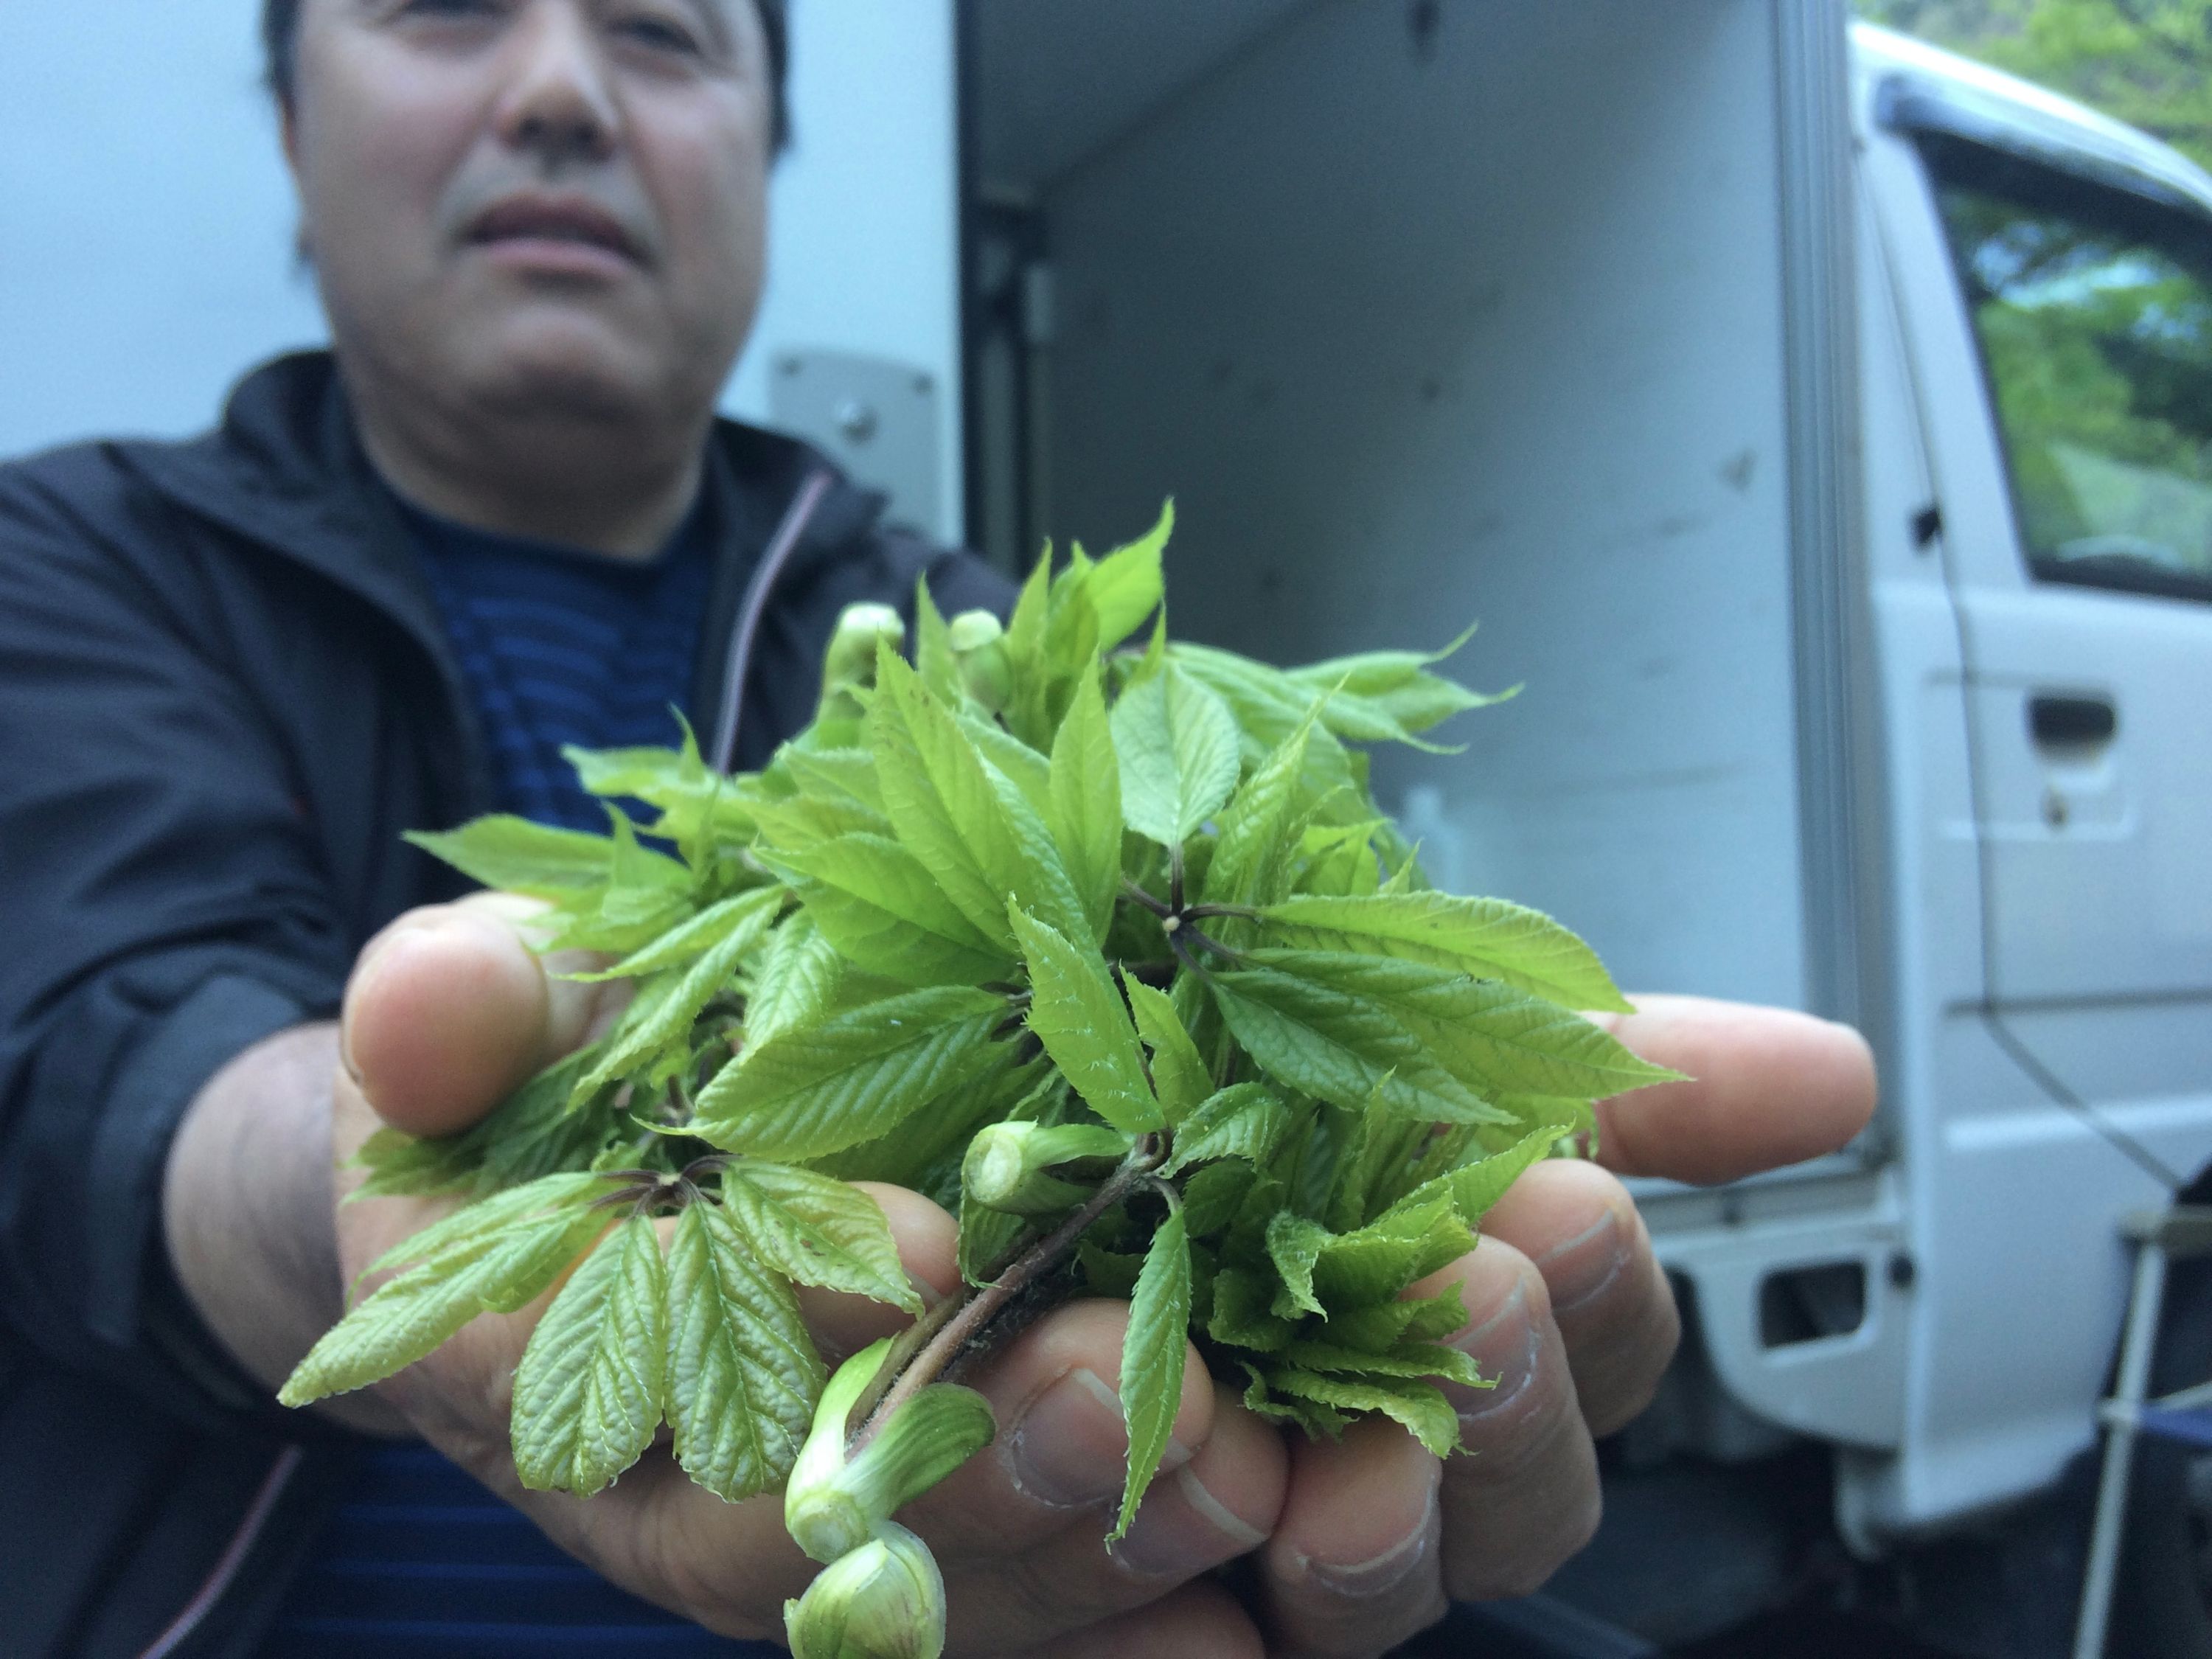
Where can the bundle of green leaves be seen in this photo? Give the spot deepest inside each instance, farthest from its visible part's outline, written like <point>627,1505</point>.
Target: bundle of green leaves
<point>1106,947</point>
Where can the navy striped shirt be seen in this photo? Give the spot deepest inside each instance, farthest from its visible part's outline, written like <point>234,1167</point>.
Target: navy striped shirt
<point>557,646</point>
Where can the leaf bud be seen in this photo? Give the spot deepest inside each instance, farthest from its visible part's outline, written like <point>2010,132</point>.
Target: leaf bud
<point>882,1601</point>
<point>849,662</point>
<point>979,646</point>
<point>834,1502</point>
<point>1031,1168</point>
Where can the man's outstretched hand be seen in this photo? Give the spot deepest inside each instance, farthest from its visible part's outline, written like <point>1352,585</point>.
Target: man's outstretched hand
<point>1568,1312</point>
<point>1357,1545</point>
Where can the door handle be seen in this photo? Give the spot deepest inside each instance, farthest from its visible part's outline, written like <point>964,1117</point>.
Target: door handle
<point>2070,721</point>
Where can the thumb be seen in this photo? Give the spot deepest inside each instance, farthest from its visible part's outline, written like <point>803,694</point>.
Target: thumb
<point>449,1010</point>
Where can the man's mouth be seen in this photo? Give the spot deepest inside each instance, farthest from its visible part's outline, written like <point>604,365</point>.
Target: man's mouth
<point>570,221</point>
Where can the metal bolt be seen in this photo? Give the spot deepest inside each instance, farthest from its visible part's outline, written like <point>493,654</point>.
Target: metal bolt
<point>856,420</point>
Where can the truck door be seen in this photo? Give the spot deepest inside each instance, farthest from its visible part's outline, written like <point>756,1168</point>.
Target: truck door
<point>2077,526</point>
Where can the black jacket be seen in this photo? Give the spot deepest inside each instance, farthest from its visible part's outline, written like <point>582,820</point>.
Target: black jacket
<point>224,692</point>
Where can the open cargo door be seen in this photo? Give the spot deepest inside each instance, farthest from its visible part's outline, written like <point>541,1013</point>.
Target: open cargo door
<point>1432,314</point>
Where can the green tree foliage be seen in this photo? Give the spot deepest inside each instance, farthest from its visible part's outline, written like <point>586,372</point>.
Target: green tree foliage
<point>2147,62</point>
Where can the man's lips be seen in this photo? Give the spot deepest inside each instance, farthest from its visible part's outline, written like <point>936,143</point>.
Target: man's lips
<point>541,220</point>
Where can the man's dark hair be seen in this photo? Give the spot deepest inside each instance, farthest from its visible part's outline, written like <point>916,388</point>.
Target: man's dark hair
<point>280,28</point>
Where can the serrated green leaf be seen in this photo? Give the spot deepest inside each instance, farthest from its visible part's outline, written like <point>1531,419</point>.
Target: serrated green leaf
<point>696,805</point>
<point>1488,938</point>
<point>1078,1016</point>
<point>532,1132</point>
<point>971,830</point>
<point>1179,1073</point>
<point>886,914</point>
<point>1475,1186</point>
<point>855,1076</point>
<point>1177,745</point>
<point>689,940</point>
<point>742,1373</point>
<point>816,1231</point>
<point>1327,1040</point>
<point>1108,1273</point>
<point>475,1223</point>
<point>1319,1421</point>
<point>1379,1144</point>
<point>1125,586</point>
<point>1213,1195</point>
<point>1338,860</point>
<point>986,1236</point>
<point>588,1389</point>
<point>842,775</point>
<point>1411,1360</point>
<point>1326,1272</point>
<point>1385,1325</point>
<point>635,1042</point>
<point>495,1271</point>
<point>1085,817</point>
<point>1493,1038</point>
<point>1028,770</point>
<point>1261,828</point>
<point>1294,1245</point>
<point>1243,1315</point>
<point>933,647</point>
<point>1420,1406</point>
<point>1152,1356</point>
<point>517,856</point>
<point>796,981</point>
<point>646,894</point>
<point>1269,706</point>
<point>1245,1120</point>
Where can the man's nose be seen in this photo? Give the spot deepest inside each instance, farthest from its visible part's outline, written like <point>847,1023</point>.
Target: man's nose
<point>558,100</point>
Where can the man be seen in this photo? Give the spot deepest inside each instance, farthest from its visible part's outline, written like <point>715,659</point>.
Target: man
<point>235,669</point>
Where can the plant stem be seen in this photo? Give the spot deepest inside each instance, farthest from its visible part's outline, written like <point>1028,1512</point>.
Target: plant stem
<point>940,1334</point>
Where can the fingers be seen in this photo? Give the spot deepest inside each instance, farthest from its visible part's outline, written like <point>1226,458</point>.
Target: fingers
<point>928,1241</point>
<point>1021,1529</point>
<point>1521,1495</point>
<point>1608,1297</point>
<point>1355,1564</point>
<point>1768,1086</point>
<point>448,1011</point>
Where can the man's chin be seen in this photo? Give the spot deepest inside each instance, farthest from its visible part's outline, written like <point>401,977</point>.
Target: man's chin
<point>574,380</point>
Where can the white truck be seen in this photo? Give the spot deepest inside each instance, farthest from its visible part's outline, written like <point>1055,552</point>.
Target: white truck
<point>1819,426</point>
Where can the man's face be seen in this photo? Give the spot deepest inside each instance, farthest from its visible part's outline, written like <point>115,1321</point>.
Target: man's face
<point>537,206</point>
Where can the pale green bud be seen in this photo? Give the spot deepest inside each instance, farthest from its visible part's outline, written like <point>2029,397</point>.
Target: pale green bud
<point>1029,1168</point>
<point>884,1600</point>
<point>850,660</point>
<point>979,646</point>
<point>834,1501</point>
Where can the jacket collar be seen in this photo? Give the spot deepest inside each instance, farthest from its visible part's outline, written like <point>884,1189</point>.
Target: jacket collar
<point>286,470</point>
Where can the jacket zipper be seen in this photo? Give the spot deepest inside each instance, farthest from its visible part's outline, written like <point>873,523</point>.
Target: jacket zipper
<point>225,1570</point>
<point>739,662</point>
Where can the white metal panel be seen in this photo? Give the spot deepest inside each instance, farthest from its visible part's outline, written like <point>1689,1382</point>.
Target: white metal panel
<point>1069,76</point>
<point>1419,334</point>
<point>864,236</point>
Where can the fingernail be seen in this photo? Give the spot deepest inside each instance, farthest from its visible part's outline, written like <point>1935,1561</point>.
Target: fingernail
<point>1057,1453</point>
<point>1504,1348</point>
<point>1586,1265</point>
<point>1379,1575</point>
<point>1161,1541</point>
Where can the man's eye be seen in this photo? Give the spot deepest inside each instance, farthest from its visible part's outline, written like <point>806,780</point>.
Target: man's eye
<point>661,34</point>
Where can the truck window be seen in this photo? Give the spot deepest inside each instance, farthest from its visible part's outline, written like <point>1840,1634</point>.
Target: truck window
<point>2093,307</point>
